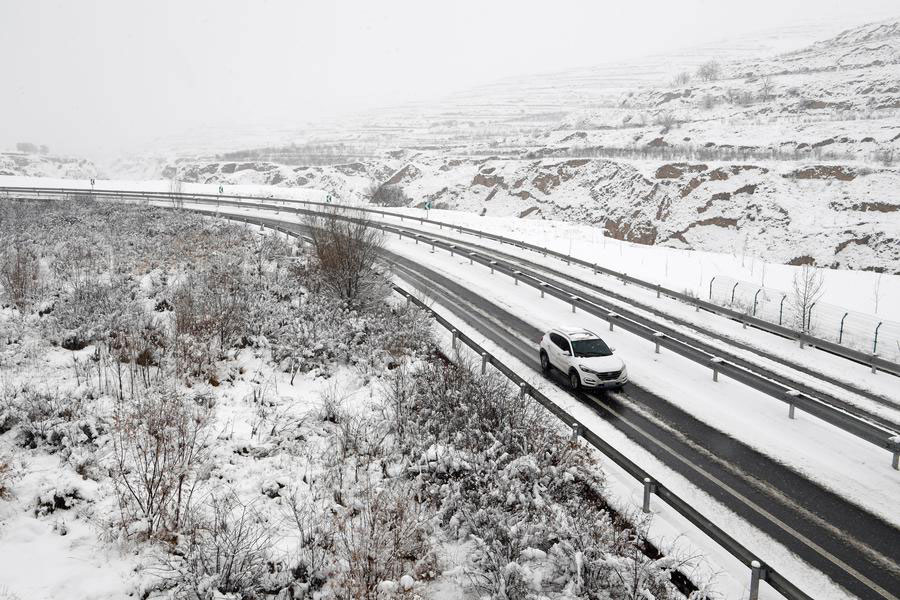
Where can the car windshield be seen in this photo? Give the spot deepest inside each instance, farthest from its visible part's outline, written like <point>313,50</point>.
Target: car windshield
<point>590,348</point>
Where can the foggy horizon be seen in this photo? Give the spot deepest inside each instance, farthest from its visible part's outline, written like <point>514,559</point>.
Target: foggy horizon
<point>105,79</point>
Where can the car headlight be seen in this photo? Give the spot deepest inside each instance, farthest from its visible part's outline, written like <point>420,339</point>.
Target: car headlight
<point>587,370</point>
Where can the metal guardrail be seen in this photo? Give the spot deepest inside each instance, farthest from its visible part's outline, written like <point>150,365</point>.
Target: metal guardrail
<point>858,427</point>
<point>872,360</point>
<point>759,571</point>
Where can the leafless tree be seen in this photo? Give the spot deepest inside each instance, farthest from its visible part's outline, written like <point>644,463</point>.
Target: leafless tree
<point>709,71</point>
<point>345,251</point>
<point>681,79</point>
<point>766,87</point>
<point>667,119</point>
<point>808,289</point>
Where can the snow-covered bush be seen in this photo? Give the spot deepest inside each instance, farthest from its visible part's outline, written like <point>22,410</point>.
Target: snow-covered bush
<point>5,478</point>
<point>224,551</point>
<point>159,444</point>
<point>501,472</point>
<point>384,536</point>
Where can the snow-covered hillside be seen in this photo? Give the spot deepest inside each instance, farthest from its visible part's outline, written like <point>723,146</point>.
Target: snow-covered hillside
<point>44,165</point>
<point>789,157</point>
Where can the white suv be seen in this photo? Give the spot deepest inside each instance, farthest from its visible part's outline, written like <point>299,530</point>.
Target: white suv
<point>583,357</point>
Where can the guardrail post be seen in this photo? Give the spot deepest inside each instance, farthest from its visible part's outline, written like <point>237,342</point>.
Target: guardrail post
<point>484,362</point>
<point>543,285</point>
<point>408,301</point>
<point>715,362</point>
<point>624,279</point>
<point>595,268</point>
<point>516,276</point>
<point>471,262</point>
<point>610,317</point>
<point>452,248</point>
<point>895,450</point>
<point>755,297</point>
<point>453,341</point>
<point>649,488</point>
<point>574,300</point>
<point>841,332</point>
<point>791,399</point>
<point>432,247</point>
<point>874,365</point>
<point>576,432</point>
<point>755,575</point>
<point>733,290</point>
<point>656,337</point>
<point>492,263</point>
<point>781,308</point>
<point>710,287</point>
<point>417,239</point>
<point>802,337</point>
<point>657,290</point>
<point>522,387</point>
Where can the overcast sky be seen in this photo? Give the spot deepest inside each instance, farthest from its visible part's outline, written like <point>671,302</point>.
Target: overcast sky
<point>99,76</point>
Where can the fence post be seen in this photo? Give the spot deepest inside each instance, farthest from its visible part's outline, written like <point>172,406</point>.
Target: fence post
<point>875,343</point>
<point>809,317</point>
<point>841,332</point>
<point>734,289</point>
<point>781,308</point>
<point>755,574</point>
<point>715,361</point>
<point>710,287</point>
<point>755,297</point>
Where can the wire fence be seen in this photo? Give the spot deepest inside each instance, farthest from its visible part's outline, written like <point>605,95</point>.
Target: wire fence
<point>831,322</point>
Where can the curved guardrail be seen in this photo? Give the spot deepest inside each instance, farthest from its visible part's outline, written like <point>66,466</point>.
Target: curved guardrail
<point>863,429</point>
<point>872,360</point>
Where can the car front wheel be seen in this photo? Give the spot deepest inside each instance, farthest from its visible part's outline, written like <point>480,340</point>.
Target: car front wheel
<point>574,380</point>
<point>545,362</point>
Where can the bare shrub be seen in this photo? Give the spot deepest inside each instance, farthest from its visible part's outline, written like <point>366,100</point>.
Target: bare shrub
<point>666,119</point>
<point>681,79</point>
<point>224,551</point>
<point>159,444</point>
<point>5,478</point>
<point>315,537</point>
<point>345,252</point>
<point>387,195</point>
<point>709,71</point>
<point>384,538</point>
<point>20,275</point>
